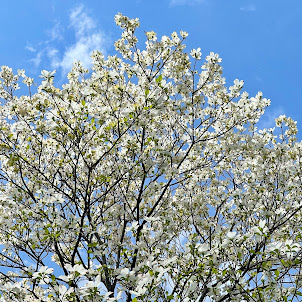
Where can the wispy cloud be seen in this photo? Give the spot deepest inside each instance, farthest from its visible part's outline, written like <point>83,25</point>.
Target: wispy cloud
<point>30,48</point>
<point>56,32</point>
<point>36,60</point>
<point>268,119</point>
<point>186,2</point>
<point>81,51</point>
<point>87,38</point>
<point>248,8</point>
<point>81,21</point>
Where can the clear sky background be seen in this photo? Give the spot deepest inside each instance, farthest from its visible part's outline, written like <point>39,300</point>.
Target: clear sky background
<point>260,41</point>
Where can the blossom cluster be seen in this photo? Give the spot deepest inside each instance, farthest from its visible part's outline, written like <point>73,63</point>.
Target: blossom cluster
<point>146,179</point>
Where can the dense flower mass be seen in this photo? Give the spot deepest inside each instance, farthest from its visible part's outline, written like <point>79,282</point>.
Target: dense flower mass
<point>146,179</point>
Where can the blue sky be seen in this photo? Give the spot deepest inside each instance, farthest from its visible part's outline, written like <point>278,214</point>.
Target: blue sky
<point>260,42</point>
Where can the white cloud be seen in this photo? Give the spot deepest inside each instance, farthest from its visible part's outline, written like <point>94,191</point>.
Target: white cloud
<point>87,39</point>
<point>53,54</point>
<point>37,59</point>
<point>185,2</point>
<point>81,51</point>
<point>81,22</point>
<point>55,33</point>
<point>268,119</point>
<point>248,8</point>
<point>30,48</point>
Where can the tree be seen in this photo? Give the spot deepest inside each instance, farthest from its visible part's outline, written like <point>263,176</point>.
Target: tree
<point>146,180</point>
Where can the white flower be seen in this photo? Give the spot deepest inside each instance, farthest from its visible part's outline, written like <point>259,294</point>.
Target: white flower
<point>132,227</point>
<point>21,73</point>
<point>28,81</point>
<point>47,74</point>
<point>76,268</point>
<point>231,235</point>
<point>139,292</point>
<point>91,285</point>
<point>183,34</point>
<point>175,37</point>
<point>44,270</point>
<point>262,224</point>
<point>273,246</point>
<point>151,35</point>
<point>196,53</point>
<point>203,247</point>
<point>14,287</point>
<point>124,272</point>
<point>280,211</point>
<point>213,57</point>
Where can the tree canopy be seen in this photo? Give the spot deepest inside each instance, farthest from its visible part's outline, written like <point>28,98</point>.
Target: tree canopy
<point>146,179</point>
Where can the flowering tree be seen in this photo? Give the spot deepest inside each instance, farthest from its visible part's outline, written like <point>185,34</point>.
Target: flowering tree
<point>146,181</point>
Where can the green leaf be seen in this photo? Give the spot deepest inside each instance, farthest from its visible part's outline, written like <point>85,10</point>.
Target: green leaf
<point>147,91</point>
<point>158,80</point>
<point>83,102</point>
<point>134,300</point>
<point>277,273</point>
<point>283,262</point>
